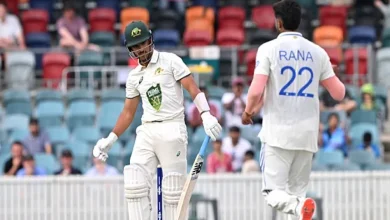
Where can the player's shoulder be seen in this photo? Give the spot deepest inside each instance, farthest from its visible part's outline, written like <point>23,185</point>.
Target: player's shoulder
<point>168,56</point>
<point>268,45</point>
<point>314,46</point>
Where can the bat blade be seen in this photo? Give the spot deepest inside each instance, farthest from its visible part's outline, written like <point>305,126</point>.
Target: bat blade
<point>189,188</point>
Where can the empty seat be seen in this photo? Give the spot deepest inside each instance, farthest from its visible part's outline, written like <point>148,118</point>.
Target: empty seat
<point>54,63</point>
<point>80,95</point>
<point>42,4</point>
<point>264,17</point>
<point>58,135</point>
<point>262,36</point>
<point>197,38</point>
<point>199,12</point>
<point>81,113</point>
<point>333,15</point>
<point>113,95</point>
<point>133,14</point>
<point>166,19</point>
<point>40,41</point>
<point>231,16</point>
<point>47,161</point>
<point>16,121</point>
<point>47,95</point>
<point>81,153</point>
<point>361,157</point>
<point>230,36</point>
<point>357,131</point>
<point>361,35</point>
<point>346,167</point>
<point>18,135</point>
<point>201,24</point>
<point>362,57</point>
<point>166,38</point>
<point>116,156</point>
<point>386,37</point>
<point>113,4</point>
<point>92,59</point>
<point>103,39</point>
<point>216,92</point>
<point>381,93</point>
<point>102,19</point>
<point>250,61</point>
<point>329,158</point>
<point>50,113</point>
<point>328,36</point>
<point>35,20</point>
<point>17,102</point>
<point>206,3</point>
<point>363,116</point>
<point>88,134</point>
<point>20,69</point>
<point>383,66</point>
<point>108,115</point>
<point>335,54</point>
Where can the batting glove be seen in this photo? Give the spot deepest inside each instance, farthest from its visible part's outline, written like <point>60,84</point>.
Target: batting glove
<point>211,126</point>
<point>102,147</point>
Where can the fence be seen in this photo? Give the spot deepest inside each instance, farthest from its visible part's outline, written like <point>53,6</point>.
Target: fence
<point>353,195</point>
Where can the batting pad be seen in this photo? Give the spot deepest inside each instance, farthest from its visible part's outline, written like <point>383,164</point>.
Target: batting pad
<point>172,186</point>
<point>137,193</point>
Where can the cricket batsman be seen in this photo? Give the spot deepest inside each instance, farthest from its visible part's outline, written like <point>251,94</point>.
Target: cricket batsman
<point>162,138</point>
<point>288,72</point>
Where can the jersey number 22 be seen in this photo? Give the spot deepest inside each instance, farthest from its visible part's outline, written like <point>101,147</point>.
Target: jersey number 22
<point>301,91</point>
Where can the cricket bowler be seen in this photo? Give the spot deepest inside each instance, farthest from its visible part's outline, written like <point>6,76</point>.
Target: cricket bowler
<point>289,70</point>
<point>162,138</point>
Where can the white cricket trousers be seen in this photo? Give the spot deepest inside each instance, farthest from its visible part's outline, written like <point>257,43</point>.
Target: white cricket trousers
<point>163,143</point>
<point>286,175</point>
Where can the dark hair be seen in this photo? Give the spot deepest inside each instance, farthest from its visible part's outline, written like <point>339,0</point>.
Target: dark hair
<point>219,141</point>
<point>18,143</point>
<point>289,12</point>
<point>28,157</point>
<point>234,129</point>
<point>334,114</point>
<point>33,121</point>
<point>3,3</point>
<point>250,153</point>
<point>367,137</point>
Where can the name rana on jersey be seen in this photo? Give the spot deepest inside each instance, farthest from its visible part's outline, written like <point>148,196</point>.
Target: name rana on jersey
<point>299,55</point>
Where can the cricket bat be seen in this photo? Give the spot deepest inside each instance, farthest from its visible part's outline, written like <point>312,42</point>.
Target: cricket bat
<point>191,181</point>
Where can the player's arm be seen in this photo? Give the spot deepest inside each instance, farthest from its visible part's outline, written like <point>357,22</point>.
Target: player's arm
<point>330,81</point>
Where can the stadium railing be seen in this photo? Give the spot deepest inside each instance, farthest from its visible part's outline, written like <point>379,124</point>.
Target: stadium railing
<point>345,195</point>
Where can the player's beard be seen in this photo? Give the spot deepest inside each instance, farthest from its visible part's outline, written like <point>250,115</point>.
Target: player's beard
<point>144,55</point>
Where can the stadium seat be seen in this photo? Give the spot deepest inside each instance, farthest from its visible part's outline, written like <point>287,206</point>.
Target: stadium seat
<point>353,90</point>
<point>346,167</point>
<point>250,133</point>
<point>12,6</point>
<point>166,19</point>
<point>113,95</point>
<point>108,114</point>
<point>80,95</point>
<point>363,116</point>
<point>81,113</point>
<point>87,134</point>
<point>103,39</point>
<point>334,16</point>
<point>54,63</point>
<point>81,153</point>
<point>357,131</point>
<point>59,136</point>
<point>47,161</point>
<point>362,59</point>
<point>335,54</point>
<point>206,3</point>
<point>93,59</point>
<point>201,24</point>
<point>116,156</point>
<point>114,4</point>
<point>199,12</point>
<point>264,17</point>
<point>18,135</point>
<point>262,36</point>
<point>383,66</point>
<point>361,157</point>
<point>216,92</point>
<point>46,5</point>
<point>47,95</point>
<point>128,149</point>
<point>250,60</point>
<point>102,19</point>
<point>19,69</point>
<point>197,38</point>
<point>144,4</point>
<point>329,158</point>
<point>132,14</point>
<point>319,167</point>
<point>166,38</point>
<point>230,36</point>
<point>16,121</point>
<point>381,93</point>
<point>50,113</point>
<point>231,16</point>
<point>378,166</point>
<point>35,20</point>
<point>39,41</point>
<point>17,102</point>
<point>328,36</point>
<point>361,35</point>
<point>386,37</point>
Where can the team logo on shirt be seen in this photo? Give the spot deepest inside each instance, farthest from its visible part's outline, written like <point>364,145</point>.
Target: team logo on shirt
<point>158,71</point>
<point>135,32</point>
<point>154,95</point>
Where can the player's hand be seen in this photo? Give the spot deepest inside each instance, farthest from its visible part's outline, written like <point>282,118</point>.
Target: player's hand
<point>246,118</point>
<point>211,126</point>
<point>102,147</point>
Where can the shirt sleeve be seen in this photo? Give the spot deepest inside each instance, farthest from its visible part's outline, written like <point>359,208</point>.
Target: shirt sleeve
<point>262,61</point>
<point>131,91</point>
<point>18,27</point>
<point>327,69</point>
<point>179,68</point>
